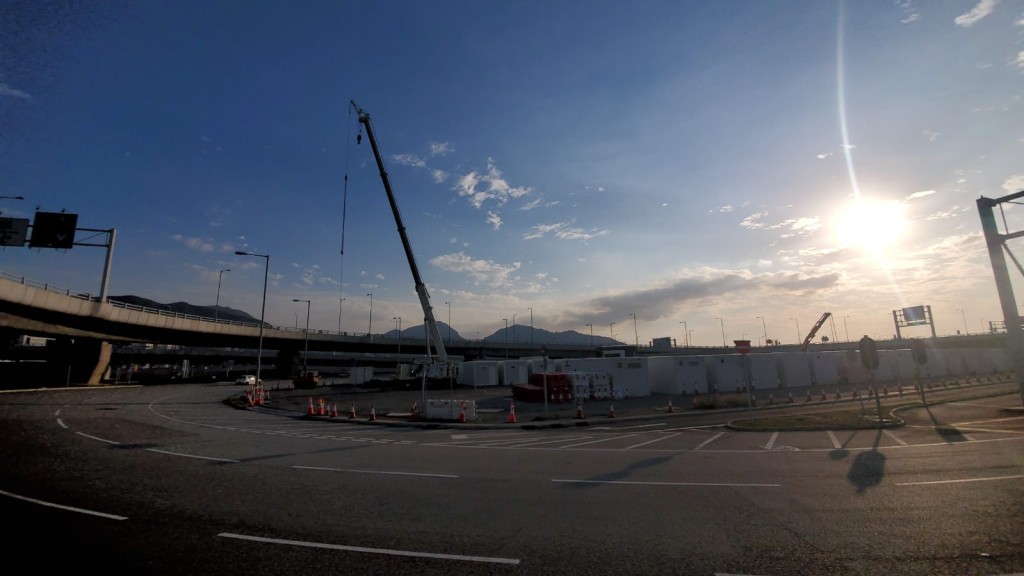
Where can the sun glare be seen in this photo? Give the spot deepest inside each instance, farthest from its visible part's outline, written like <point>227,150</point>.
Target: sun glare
<point>871,226</point>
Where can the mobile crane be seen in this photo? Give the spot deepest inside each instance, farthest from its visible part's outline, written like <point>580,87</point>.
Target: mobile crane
<point>817,326</point>
<point>443,367</point>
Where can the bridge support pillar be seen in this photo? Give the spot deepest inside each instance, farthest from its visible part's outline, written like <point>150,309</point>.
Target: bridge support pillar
<point>77,361</point>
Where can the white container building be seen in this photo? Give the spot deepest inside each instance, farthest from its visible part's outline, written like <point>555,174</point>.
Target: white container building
<point>478,373</point>
<point>629,376</point>
<point>677,375</point>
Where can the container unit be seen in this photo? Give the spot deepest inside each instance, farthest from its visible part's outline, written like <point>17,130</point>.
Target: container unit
<point>628,376</point>
<point>936,365</point>
<point>995,360</point>
<point>850,367</point>
<point>511,372</point>
<point>677,375</point>
<point>794,369</point>
<point>824,368</point>
<point>360,374</point>
<point>479,373</point>
<point>558,386</point>
<point>725,372</point>
<point>450,409</point>
<point>590,385</point>
<point>765,371</point>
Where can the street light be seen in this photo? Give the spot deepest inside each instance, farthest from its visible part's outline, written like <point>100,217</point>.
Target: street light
<point>449,304</point>
<point>305,352</point>
<point>531,325</point>
<point>591,334</point>
<point>506,337</point>
<point>636,336</point>
<point>763,325</point>
<point>369,329</point>
<point>798,340</point>
<point>847,328</point>
<point>216,307</point>
<point>962,315</point>
<point>611,330</point>
<point>263,309</point>
<point>686,334</point>
<point>341,305</point>
<point>514,328</point>
<point>722,322</point>
<point>398,326</point>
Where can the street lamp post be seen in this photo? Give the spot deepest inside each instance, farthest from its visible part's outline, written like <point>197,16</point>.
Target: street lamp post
<point>686,334</point>
<point>369,329</point>
<point>636,336</point>
<point>798,340</point>
<point>847,328</point>
<point>216,307</point>
<point>531,325</point>
<point>964,316</point>
<point>611,330</point>
<point>449,305</point>
<point>765,327</point>
<point>591,335</point>
<point>398,327</point>
<point>263,310</point>
<point>514,328</point>
<point>305,351</point>
<point>341,304</point>
<point>506,337</point>
<point>722,322</point>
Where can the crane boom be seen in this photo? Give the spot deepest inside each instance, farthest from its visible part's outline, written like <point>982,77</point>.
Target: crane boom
<point>817,326</point>
<point>433,333</point>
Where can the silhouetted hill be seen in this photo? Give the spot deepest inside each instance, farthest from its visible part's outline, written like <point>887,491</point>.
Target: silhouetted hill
<point>221,312</point>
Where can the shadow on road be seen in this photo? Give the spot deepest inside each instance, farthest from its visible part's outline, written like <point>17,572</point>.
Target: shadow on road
<point>868,468</point>
<point>621,474</point>
<point>946,432</point>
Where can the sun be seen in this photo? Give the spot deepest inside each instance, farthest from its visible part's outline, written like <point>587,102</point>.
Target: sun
<point>871,226</point>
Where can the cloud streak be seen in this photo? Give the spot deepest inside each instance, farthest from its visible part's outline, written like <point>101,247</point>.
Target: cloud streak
<point>983,9</point>
<point>488,186</point>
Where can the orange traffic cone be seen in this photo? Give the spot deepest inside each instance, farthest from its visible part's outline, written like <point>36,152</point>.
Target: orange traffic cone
<point>670,408</point>
<point>373,414</point>
<point>334,412</point>
<point>415,412</point>
<point>310,406</point>
<point>579,411</point>
<point>462,414</point>
<point>511,413</point>
<point>611,411</point>
<point>323,409</point>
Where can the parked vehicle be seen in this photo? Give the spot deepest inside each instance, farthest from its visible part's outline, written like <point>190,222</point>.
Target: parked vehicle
<point>247,379</point>
<point>307,379</point>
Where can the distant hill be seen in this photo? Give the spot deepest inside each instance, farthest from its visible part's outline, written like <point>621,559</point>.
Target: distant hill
<point>220,312</point>
<point>517,334</point>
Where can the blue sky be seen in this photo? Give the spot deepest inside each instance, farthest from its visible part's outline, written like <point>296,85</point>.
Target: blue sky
<point>681,164</point>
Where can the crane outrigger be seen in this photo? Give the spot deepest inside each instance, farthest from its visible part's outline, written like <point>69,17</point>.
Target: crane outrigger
<point>443,368</point>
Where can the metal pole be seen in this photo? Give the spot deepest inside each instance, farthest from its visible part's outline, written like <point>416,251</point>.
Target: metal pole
<point>341,304</point>
<point>216,307</point>
<point>449,304</point>
<point>506,337</point>
<point>369,328</point>
<point>847,328</point>
<point>531,325</point>
<point>111,234</point>
<point>305,352</point>
<point>765,327</point>
<point>636,336</point>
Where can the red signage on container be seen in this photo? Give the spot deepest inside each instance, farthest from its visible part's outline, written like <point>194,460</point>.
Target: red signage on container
<point>742,346</point>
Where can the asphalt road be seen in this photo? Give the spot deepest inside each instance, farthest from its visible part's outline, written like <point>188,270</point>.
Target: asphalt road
<point>172,480</point>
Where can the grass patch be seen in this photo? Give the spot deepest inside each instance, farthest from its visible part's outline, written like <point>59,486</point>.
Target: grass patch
<point>847,419</point>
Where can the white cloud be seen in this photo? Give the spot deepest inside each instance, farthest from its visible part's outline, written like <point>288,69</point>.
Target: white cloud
<point>1014,183</point>
<point>1020,60</point>
<point>912,18</point>
<point>946,214</point>
<point>409,160</point>
<point>195,243</point>
<point>494,219</point>
<point>932,136</point>
<point>439,148</point>
<point>6,90</point>
<point>753,222</point>
<point>920,194</point>
<point>481,188</point>
<point>481,271</point>
<point>825,155</point>
<point>563,231</point>
<point>983,9</point>
<point>726,208</point>
<point>439,176</point>
<point>538,203</point>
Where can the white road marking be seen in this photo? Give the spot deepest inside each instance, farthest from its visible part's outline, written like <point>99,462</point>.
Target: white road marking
<point>62,424</point>
<point>597,441</point>
<point>62,507</point>
<point>835,441</point>
<point>987,421</point>
<point>652,441</point>
<point>528,444</point>
<point>718,484</point>
<point>771,441</point>
<point>386,472</point>
<point>640,426</point>
<point>192,456</point>
<point>386,551</point>
<point>708,441</point>
<point>898,440</point>
<point>960,481</point>
<point>97,438</point>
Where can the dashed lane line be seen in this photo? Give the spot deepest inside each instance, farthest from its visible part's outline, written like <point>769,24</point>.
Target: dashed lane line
<point>637,483</point>
<point>62,507</point>
<point>608,439</point>
<point>384,472</point>
<point>771,441</point>
<point>960,481</point>
<point>898,440</point>
<point>835,441</point>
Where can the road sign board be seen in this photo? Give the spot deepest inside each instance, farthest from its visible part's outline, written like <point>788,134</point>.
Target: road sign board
<point>742,346</point>
<point>53,230</point>
<point>13,231</point>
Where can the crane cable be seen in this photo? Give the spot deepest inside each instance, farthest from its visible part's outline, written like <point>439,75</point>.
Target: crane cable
<point>344,211</point>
